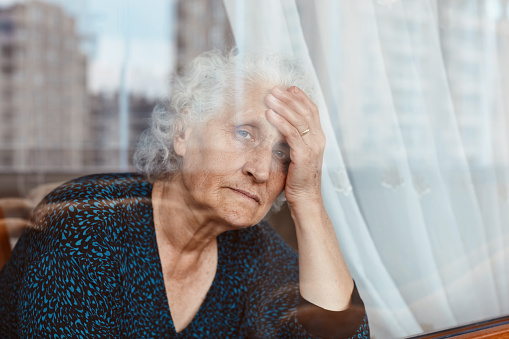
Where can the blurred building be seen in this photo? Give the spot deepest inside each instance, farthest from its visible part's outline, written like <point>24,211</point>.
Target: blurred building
<point>43,89</point>
<point>103,151</point>
<point>201,26</point>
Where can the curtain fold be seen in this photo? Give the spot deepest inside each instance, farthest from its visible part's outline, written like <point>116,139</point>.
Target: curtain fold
<point>416,167</point>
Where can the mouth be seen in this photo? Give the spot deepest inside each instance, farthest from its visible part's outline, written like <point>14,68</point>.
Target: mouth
<point>247,194</point>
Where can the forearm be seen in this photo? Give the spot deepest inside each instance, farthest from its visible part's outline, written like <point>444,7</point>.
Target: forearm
<point>324,278</point>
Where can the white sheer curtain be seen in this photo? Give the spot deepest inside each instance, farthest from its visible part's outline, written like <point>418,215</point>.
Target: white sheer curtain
<point>415,103</point>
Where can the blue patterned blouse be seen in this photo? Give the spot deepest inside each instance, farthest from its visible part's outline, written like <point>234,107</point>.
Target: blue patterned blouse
<point>90,267</point>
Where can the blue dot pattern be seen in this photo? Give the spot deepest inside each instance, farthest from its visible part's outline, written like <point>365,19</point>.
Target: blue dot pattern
<point>89,267</point>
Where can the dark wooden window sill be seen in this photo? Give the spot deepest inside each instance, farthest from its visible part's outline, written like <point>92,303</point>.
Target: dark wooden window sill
<point>494,328</point>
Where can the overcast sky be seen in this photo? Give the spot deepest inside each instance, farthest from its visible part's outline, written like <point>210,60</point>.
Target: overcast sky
<point>125,31</point>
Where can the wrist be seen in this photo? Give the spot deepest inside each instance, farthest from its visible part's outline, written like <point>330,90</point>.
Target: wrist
<point>304,202</point>
<point>307,212</point>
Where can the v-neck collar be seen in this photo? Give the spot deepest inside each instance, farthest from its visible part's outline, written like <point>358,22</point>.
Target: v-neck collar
<point>161,288</point>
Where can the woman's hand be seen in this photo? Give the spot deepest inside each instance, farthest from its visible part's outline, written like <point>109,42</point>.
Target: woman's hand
<point>324,279</point>
<point>297,118</point>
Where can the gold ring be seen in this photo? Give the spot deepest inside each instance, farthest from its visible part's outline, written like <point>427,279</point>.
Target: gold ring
<point>304,133</point>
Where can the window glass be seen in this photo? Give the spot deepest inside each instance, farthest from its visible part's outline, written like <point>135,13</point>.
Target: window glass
<point>414,96</point>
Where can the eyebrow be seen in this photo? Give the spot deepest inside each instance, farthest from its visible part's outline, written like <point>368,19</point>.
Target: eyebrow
<point>241,119</point>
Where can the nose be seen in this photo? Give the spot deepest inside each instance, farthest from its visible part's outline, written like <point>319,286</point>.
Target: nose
<point>258,164</point>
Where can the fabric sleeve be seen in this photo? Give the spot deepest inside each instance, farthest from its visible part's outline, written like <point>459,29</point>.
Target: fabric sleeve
<point>62,278</point>
<point>349,323</point>
<point>275,308</point>
<point>65,296</point>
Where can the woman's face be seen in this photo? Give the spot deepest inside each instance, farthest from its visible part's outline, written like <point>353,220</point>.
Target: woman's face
<point>235,165</point>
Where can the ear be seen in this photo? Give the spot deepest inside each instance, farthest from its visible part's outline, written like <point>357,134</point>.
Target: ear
<point>180,142</point>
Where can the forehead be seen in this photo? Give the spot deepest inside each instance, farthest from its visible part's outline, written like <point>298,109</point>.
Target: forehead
<point>249,94</point>
<point>248,102</point>
<point>248,107</point>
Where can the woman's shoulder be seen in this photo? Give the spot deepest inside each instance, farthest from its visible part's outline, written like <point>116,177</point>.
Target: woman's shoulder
<point>95,192</point>
<point>86,212</point>
<point>106,186</point>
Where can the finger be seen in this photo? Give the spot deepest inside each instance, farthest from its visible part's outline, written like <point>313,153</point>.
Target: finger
<point>289,112</point>
<point>302,150</point>
<point>318,132</point>
<point>300,102</point>
<point>289,132</point>
<point>311,106</point>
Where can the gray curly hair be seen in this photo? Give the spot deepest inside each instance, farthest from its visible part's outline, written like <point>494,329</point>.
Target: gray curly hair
<point>206,86</point>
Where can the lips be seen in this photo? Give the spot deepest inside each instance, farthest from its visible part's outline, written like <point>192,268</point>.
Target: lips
<point>247,194</point>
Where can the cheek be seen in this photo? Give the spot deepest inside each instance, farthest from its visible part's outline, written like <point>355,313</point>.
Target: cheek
<point>205,161</point>
<point>220,158</point>
<point>278,184</point>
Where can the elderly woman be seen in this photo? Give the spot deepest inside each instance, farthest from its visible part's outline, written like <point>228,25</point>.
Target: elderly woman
<point>181,250</point>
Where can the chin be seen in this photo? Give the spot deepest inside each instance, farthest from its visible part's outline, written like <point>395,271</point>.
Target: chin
<point>240,223</point>
<point>240,219</point>
<point>238,210</point>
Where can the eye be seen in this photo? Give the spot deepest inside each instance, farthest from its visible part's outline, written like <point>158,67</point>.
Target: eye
<point>243,135</point>
<point>282,156</point>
